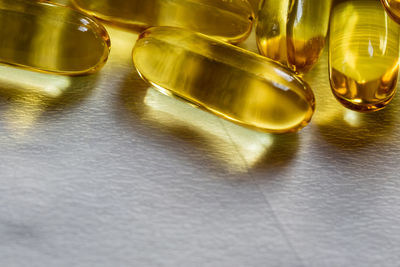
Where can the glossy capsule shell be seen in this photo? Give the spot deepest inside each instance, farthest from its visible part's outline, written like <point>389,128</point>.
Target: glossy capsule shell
<point>229,21</point>
<point>51,38</point>
<point>228,81</point>
<point>393,8</point>
<point>363,55</point>
<point>293,32</point>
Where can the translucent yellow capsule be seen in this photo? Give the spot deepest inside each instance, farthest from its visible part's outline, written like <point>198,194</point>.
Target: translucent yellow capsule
<point>363,55</point>
<point>230,20</point>
<point>51,38</point>
<point>228,81</point>
<point>393,8</point>
<point>293,32</point>
<point>255,4</point>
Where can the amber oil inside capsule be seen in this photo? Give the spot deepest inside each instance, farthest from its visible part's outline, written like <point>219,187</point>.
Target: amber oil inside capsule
<point>228,81</point>
<point>52,38</point>
<point>229,21</point>
<point>393,8</point>
<point>363,55</point>
<point>293,32</point>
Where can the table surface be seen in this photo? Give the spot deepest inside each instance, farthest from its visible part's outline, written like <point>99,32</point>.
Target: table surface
<point>109,172</point>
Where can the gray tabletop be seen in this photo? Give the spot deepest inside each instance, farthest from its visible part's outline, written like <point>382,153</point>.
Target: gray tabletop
<point>108,172</point>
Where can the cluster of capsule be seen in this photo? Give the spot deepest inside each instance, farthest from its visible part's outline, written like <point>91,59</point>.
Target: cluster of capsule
<point>186,50</point>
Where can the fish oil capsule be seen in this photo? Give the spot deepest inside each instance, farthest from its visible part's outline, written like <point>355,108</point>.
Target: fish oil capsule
<point>393,8</point>
<point>363,55</point>
<point>293,32</point>
<point>51,38</point>
<point>228,81</point>
<point>230,20</point>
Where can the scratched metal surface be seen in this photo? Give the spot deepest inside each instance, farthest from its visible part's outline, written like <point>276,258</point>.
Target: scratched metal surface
<point>105,171</point>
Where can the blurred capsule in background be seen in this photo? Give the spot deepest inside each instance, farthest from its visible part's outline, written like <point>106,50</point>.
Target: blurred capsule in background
<point>228,81</point>
<point>293,32</point>
<point>229,21</point>
<point>363,55</point>
<point>393,8</point>
<point>51,38</point>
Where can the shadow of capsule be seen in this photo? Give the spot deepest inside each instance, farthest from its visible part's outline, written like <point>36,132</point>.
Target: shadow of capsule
<point>351,130</point>
<point>342,127</point>
<point>27,96</point>
<point>283,150</point>
<point>164,119</point>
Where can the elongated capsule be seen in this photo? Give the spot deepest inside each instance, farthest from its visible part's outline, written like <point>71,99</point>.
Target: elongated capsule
<point>393,8</point>
<point>51,38</point>
<point>293,32</point>
<point>229,21</point>
<point>363,55</point>
<point>228,81</point>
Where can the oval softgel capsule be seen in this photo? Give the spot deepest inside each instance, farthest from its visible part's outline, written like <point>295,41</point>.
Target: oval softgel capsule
<point>228,81</point>
<point>293,32</point>
<point>363,55</point>
<point>230,20</point>
<point>51,38</point>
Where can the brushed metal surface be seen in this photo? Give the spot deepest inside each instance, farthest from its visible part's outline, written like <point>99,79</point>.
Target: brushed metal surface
<point>106,171</point>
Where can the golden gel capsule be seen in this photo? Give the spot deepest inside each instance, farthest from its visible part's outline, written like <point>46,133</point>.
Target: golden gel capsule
<point>51,38</point>
<point>228,81</point>
<point>393,8</point>
<point>255,4</point>
<point>230,20</point>
<point>293,32</point>
<point>363,55</point>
